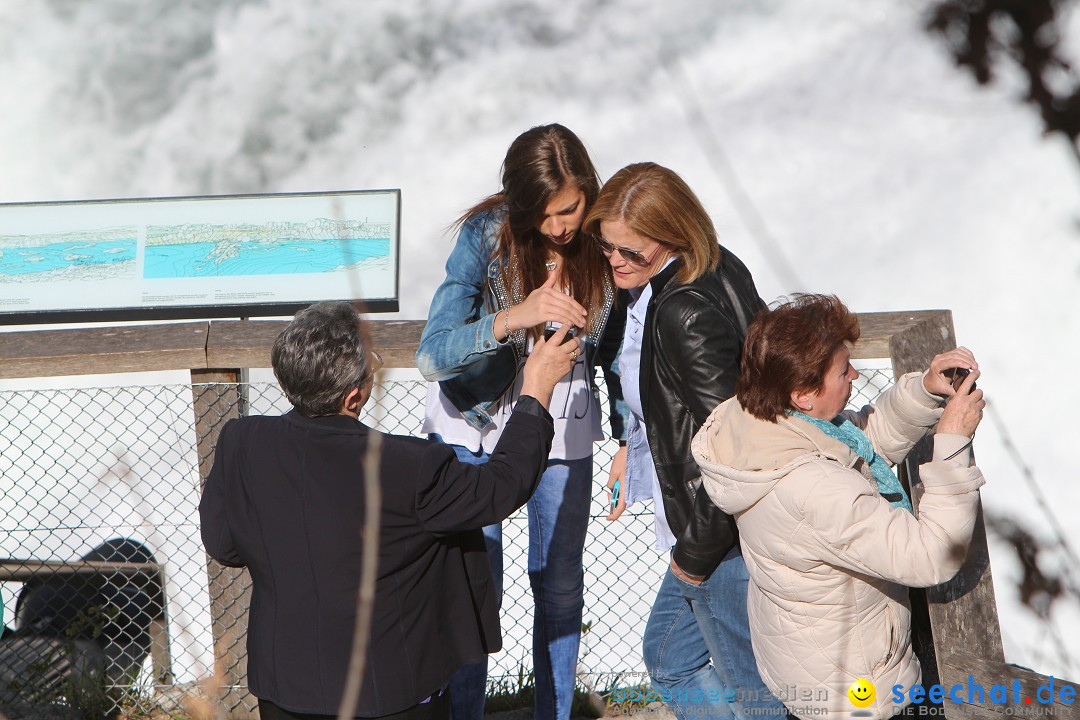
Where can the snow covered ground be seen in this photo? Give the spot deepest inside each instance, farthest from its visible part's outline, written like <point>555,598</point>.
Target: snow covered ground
<point>878,170</point>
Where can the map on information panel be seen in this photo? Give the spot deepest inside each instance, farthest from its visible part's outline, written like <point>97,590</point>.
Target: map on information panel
<point>197,257</point>
<point>324,245</point>
<point>75,256</point>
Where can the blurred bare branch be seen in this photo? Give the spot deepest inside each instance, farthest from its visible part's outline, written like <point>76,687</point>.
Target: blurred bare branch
<point>982,34</point>
<point>1039,589</point>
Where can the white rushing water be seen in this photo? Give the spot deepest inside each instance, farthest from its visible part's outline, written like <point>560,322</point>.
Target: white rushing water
<point>880,171</point>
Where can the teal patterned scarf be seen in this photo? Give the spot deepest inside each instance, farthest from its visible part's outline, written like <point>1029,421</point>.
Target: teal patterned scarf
<point>888,484</point>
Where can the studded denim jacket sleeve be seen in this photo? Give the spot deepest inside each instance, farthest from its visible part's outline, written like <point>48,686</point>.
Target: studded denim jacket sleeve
<point>460,324</point>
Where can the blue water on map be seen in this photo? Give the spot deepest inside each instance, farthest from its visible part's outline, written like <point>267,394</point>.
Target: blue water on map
<point>251,257</point>
<point>62,255</point>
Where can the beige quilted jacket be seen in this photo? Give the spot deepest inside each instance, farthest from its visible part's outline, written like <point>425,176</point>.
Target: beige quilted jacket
<point>829,558</point>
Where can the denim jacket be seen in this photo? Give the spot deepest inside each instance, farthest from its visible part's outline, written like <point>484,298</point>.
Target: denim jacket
<point>458,348</point>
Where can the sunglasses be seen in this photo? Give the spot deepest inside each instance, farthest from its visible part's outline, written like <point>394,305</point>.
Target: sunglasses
<point>631,256</point>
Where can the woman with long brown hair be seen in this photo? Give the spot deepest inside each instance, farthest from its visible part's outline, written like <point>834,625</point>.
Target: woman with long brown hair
<point>521,264</point>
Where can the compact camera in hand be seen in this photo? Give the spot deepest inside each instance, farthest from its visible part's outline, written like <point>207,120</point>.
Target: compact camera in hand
<point>551,328</point>
<point>957,376</point>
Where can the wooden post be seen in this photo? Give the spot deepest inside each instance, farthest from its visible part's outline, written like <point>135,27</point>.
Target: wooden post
<point>216,400</point>
<point>958,616</point>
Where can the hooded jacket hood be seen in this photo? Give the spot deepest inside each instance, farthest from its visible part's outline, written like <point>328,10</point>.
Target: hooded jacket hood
<point>745,456</point>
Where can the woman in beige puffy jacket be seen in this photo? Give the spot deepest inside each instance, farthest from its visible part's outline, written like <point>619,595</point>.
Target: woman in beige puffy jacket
<point>826,529</point>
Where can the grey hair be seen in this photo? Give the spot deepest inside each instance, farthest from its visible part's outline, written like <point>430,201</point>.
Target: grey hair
<point>321,357</point>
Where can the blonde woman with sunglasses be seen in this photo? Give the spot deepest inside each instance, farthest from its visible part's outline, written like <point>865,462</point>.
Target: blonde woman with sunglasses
<point>690,301</point>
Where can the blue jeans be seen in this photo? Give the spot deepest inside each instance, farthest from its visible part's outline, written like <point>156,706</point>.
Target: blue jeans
<point>693,624</point>
<point>558,519</point>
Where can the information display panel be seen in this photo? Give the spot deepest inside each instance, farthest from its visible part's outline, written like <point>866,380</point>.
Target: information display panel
<point>195,257</point>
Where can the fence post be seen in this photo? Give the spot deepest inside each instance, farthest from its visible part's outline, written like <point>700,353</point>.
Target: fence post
<point>959,616</point>
<point>216,397</point>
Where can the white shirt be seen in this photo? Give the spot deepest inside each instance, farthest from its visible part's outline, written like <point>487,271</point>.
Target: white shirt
<point>572,407</point>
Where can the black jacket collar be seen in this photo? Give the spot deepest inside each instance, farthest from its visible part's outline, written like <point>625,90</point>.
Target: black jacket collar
<point>660,280</point>
<point>327,423</point>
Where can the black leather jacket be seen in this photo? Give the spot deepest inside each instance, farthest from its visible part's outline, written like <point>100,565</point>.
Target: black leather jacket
<point>690,356</point>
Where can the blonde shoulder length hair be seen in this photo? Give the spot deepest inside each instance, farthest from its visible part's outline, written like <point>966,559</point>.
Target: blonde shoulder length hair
<point>656,203</point>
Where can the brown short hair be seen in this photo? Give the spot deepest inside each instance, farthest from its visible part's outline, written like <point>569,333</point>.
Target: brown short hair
<point>789,348</point>
<point>657,204</point>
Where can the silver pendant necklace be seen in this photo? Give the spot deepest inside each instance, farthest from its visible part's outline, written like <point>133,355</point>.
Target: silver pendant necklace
<point>551,265</point>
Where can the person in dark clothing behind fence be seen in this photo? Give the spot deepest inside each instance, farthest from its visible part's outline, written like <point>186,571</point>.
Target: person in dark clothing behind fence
<point>286,499</point>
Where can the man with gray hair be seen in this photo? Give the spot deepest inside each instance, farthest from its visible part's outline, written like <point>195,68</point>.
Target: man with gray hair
<point>286,499</point>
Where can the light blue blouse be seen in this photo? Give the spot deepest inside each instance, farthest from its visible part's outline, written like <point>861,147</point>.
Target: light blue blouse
<point>641,481</point>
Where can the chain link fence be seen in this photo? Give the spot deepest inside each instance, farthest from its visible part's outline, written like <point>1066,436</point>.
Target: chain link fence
<point>110,602</point>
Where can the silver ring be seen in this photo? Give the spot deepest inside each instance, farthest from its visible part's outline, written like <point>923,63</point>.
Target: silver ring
<point>573,354</point>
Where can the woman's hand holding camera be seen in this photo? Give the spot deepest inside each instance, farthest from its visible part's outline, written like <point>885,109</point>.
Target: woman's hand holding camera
<point>943,368</point>
<point>964,410</point>
<point>952,375</point>
<point>544,304</point>
<point>548,362</point>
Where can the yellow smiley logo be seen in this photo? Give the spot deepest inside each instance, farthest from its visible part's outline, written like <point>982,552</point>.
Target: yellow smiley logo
<point>861,693</point>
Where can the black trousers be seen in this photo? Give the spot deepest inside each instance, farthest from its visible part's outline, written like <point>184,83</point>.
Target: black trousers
<point>438,708</point>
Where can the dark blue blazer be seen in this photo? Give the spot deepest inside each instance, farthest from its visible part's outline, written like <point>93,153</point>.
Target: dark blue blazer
<point>285,498</point>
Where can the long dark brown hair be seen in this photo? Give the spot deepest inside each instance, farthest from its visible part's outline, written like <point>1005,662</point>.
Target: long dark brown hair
<point>538,165</point>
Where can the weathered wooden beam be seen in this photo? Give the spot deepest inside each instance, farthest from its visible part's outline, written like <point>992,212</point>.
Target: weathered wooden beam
<point>898,334</point>
<point>90,351</point>
<point>247,343</point>
<point>242,343</point>
<point>913,347</point>
<point>1026,692</point>
<point>396,341</point>
<point>176,346</point>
